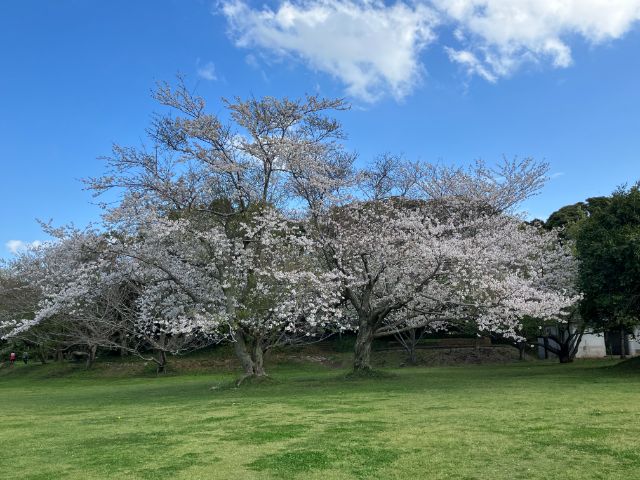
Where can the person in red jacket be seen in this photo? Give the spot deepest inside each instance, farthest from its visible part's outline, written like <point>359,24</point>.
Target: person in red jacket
<point>12,358</point>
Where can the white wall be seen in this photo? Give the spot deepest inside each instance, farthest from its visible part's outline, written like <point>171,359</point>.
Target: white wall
<point>592,346</point>
<point>634,343</point>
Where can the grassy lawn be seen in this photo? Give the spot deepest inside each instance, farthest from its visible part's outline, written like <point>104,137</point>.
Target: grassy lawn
<point>519,421</point>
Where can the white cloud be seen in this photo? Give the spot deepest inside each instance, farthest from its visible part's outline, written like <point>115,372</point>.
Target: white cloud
<point>501,35</point>
<point>471,63</point>
<point>372,48</point>
<point>207,71</point>
<point>17,246</point>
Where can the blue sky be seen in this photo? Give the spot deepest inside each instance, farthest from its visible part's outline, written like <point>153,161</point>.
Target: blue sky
<point>425,80</point>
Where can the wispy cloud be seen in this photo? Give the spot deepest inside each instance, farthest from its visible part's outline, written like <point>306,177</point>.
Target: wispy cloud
<point>17,246</point>
<point>471,63</point>
<point>502,35</point>
<point>369,46</point>
<point>555,175</point>
<point>374,47</point>
<point>207,71</point>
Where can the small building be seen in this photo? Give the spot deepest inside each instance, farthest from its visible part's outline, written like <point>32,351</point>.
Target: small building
<point>631,343</point>
<point>596,345</point>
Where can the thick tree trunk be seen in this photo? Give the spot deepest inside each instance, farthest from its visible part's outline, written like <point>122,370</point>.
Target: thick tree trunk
<point>521,348</point>
<point>364,342</point>
<point>413,360</point>
<point>91,357</point>
<point>564,358</point>
<point>161,361</point>
<point>240,348</point>
<point>245,348</point>
<point>622,343</point>
<point>250,353</point>
<point>258,360</point>
<point>565,353</point>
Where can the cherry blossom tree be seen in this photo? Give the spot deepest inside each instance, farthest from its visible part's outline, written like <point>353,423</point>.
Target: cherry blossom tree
<point>213,209</point>
<point>259,298</point>
<point>451,253</point>
<point>91,298</point>
<point>254,226</point>
<point>19,299</point>
<point>53,273</point>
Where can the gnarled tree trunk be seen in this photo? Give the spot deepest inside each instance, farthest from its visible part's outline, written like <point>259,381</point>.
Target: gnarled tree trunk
<point>250,352</point>
<point>241,351</point>
<point>258,359</point>
<point>364,342</point>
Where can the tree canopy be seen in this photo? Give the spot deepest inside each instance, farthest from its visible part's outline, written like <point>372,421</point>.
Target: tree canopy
<point>608,246</point>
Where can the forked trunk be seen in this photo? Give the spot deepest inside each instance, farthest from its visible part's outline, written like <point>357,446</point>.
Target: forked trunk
<point>565,346</point>
<point>364,342</point>
<point>250,353</point>
<point>242,352</point>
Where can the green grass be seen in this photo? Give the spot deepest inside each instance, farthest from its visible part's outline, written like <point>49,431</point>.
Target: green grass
<point>532,420</point>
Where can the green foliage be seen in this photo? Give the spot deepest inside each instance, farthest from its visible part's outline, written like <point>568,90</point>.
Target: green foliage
<point>570,218</point>
<point>606,231</point>
<point>567,215</point>
<point>608,246</point>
